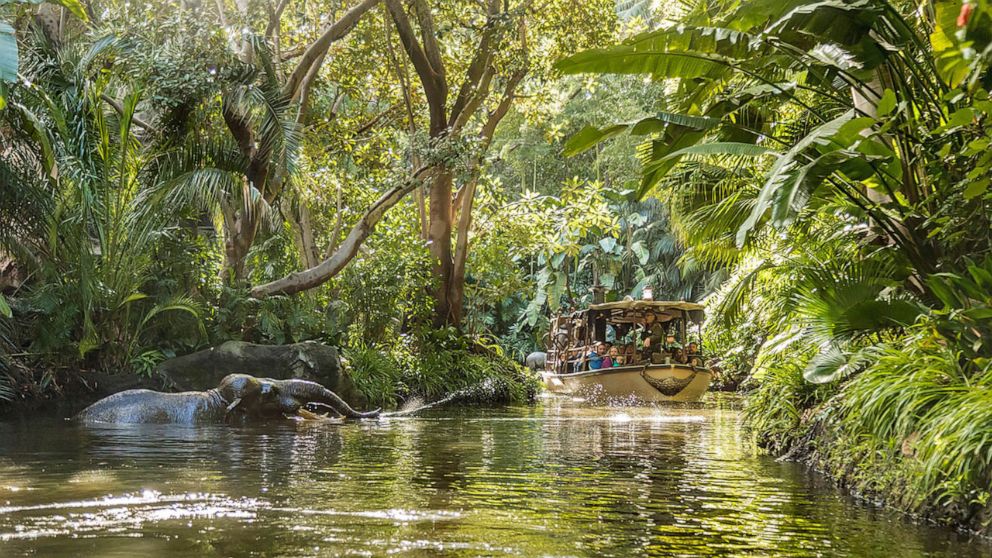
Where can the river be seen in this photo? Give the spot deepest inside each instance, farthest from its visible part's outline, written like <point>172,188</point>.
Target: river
<point>560,478</point>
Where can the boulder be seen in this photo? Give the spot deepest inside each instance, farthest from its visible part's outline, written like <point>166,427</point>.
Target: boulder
<point>204,369</point>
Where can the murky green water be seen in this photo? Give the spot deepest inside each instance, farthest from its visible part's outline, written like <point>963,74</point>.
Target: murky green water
<point>557,479</point>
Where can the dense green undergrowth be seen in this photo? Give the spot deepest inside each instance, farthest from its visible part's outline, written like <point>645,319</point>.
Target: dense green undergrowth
<point>389,375</point>
<point>913,429</point>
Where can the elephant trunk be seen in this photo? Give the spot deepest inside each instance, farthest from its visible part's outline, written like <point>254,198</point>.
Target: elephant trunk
<point>312,392</point>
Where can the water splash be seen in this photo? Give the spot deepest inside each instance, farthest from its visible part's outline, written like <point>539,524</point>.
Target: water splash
<point>621,417</point>
<point>485,389</point>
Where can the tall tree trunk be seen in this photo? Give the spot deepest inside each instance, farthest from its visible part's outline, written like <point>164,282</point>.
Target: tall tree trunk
<point>439,244</point>
<point>239,235</point>
<point>456,288</point>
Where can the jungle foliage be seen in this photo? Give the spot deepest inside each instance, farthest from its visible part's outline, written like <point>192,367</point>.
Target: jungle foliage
<point>834,156</point>
<point>177,174</point>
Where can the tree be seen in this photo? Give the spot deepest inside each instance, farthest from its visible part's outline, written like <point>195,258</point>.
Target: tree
<point>265,141</point>
<point>459,130</point>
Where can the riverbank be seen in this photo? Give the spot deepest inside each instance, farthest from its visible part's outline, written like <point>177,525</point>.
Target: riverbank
<point>382,376</point>
<point>910,431</point>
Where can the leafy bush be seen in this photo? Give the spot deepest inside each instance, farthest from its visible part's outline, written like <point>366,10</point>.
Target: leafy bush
<point>437,364</point>
<point>376,374</point>
<point>929,416</point>
<point>272,320</point>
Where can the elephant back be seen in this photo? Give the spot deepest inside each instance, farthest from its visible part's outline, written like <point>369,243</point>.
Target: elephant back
<point>142,406</point>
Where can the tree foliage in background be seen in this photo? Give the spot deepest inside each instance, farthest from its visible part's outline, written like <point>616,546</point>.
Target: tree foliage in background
<point>160,159</point>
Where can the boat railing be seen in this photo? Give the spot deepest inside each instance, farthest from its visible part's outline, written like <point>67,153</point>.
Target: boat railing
<point>575,359</point>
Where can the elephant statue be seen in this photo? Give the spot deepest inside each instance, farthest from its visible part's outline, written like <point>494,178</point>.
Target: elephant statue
<point>238,396</point>
<point>536,360</point>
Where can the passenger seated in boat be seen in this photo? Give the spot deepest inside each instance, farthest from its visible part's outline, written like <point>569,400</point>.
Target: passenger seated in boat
<point>614,358</point>
<point>629,354</point>
<point>576,362</point>
<point>678,356</point>
<point>693,355</point>
<point>594,357</point>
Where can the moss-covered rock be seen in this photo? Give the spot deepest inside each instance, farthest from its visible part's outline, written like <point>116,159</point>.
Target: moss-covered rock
<point>310,361</point>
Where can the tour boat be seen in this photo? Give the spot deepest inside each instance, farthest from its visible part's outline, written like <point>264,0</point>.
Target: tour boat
<point>656,378</point>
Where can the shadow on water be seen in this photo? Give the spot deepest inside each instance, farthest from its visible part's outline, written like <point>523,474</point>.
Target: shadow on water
<point>561,478</point>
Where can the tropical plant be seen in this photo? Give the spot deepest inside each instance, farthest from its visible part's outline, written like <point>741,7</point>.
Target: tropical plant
<point>85,224</point>
<point>813,120</point>
<point>9,60</point>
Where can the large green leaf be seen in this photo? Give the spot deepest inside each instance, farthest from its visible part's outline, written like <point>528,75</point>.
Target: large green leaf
<point>824,27</point>
<point>782,175</point>
<point>590,136</point>
<point>658,122</point>
<point>5,308</point>
<point>608,244</point>
<point>756,14</point>
<point>826,366</point>
<point>845,300</point>
<point>723,148</point>
<point>628,60</point>
<point>833,363</point>
<point>8,53</point>
<point>643,256</point>
<point>689,38</point>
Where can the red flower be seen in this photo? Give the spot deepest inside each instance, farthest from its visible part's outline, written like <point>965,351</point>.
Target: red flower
<point>965,14</point>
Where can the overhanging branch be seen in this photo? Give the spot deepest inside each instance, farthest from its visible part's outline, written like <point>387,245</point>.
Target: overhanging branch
<point>314,53</point>
<point>325,270</point>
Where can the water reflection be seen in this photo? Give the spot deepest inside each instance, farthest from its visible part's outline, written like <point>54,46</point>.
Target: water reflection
<point>559,479</point>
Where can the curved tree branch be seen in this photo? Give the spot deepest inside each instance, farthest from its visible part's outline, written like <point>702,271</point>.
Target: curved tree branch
<point>314,54</point>
<point>325,270</point>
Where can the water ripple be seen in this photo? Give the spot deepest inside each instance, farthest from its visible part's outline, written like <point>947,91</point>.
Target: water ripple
<point>563,478</point>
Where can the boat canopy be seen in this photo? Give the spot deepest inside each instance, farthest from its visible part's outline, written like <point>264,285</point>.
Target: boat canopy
<point>634,310</point>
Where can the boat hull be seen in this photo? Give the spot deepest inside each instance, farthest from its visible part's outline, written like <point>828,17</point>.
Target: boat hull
<point>651,383</point>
